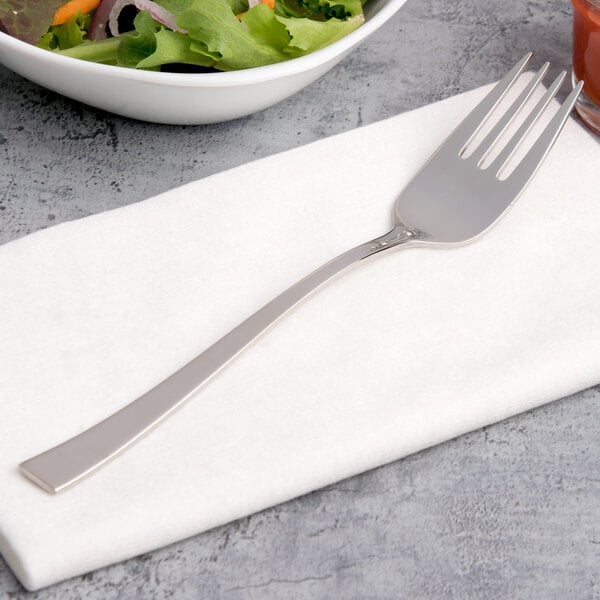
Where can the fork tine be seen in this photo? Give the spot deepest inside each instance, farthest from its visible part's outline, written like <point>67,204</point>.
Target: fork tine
<point>507,118</point>
<point>464,133</point>
<point>536,154</point>
<point>505,155</point>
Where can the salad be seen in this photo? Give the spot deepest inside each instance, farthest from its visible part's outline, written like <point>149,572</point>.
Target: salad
<point>196,35</point>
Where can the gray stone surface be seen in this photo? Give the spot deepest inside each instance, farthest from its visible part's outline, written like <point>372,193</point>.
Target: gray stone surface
<point>510,511</point>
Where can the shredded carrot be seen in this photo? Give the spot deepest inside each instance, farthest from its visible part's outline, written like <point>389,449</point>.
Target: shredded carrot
<point>68,10</point>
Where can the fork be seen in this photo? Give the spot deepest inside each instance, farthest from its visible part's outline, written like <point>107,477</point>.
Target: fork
<point>452,200</point>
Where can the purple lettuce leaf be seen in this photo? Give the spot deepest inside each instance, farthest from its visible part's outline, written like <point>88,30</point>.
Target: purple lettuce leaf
<point>27,20</point>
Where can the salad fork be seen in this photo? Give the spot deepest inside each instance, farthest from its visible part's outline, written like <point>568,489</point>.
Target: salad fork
<point>452,200</point>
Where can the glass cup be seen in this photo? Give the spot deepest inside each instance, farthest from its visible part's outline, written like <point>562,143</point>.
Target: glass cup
<point>586,59</point>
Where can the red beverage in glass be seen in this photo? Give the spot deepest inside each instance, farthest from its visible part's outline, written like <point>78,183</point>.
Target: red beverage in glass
<point>586,59</point>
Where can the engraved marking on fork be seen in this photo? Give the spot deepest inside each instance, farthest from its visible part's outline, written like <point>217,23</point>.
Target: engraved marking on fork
<point>398,235</point>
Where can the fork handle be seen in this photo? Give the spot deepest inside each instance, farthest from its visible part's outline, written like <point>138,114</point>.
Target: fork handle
<point>67,463</point>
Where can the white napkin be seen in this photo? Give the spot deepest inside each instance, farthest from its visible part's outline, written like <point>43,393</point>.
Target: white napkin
<point>409,349</point>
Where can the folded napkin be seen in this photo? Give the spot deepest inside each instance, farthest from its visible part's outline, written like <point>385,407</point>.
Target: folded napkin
<point>407,350</point>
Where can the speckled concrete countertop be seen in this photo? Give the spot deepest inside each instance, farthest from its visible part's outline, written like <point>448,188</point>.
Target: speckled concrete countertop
<point>511,511</point>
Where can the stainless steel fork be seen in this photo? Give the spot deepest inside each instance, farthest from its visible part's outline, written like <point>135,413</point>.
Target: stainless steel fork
<point>451,201</point>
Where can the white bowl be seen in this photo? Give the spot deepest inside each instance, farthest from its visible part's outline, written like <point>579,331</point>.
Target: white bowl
<point>181,98</point>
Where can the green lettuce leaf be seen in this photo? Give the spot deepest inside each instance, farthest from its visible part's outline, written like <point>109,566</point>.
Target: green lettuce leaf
<point>213,23</point>
<point>153,45</point>
<point>265,28</point>
<point>308,35</point>
<point>316,10</point>
<point>139,44</point>
<point>69,34</point>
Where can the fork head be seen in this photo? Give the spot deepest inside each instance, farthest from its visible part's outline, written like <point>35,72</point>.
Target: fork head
<point>453,199</point>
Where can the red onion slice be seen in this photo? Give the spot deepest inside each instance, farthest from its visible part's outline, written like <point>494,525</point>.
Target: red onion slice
<point>97,30</point>
<point>158,13</point>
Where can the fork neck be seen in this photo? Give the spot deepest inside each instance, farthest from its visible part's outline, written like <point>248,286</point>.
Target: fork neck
<point>400,234</point>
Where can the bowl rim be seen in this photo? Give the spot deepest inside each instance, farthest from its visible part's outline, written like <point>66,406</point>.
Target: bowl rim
<point>220,79</point>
